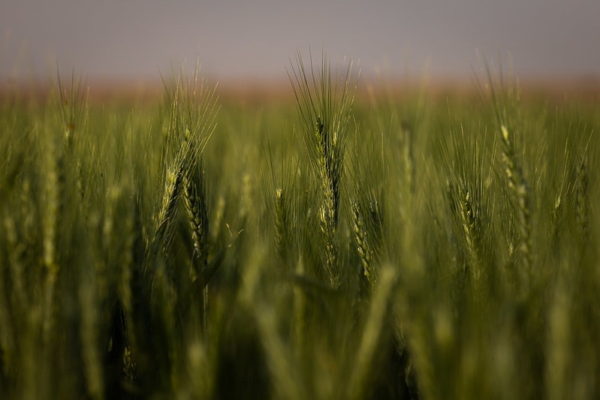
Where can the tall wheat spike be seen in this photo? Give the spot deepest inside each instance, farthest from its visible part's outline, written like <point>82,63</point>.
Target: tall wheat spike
<point>192,114</point>
<point>197,210</point>
<point>470,223</point>
<point>519,190</point>
<point>325,112</point>
<point>168,209</point>
<point>362,244</point>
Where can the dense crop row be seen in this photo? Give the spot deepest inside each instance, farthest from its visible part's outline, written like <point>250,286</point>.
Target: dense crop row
<point>335,247</point>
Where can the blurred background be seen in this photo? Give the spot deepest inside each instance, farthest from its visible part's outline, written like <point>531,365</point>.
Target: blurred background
<point>240,41</point>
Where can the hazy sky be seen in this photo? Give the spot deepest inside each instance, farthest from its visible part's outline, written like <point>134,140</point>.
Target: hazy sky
<point>245,39</point>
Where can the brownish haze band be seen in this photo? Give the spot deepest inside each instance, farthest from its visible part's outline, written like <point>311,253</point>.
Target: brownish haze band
<point>267,91</point>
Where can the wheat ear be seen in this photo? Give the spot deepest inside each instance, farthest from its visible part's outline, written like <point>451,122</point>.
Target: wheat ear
<point>197,211</point>
<point>519,190</point>
<point>362,243</point>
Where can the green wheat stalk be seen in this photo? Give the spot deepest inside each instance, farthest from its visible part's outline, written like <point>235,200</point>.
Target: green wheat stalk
<point>325,113</point>
<point>363,245</point>
<point>519,190</point>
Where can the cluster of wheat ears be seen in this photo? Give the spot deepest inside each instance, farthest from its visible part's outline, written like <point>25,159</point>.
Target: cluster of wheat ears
<point>346,248</point>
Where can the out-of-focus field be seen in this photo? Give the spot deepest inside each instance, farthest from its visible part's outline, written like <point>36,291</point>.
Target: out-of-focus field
<point>342,240</point>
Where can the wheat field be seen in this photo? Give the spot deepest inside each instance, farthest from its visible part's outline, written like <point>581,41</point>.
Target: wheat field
<point>342,245</point>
